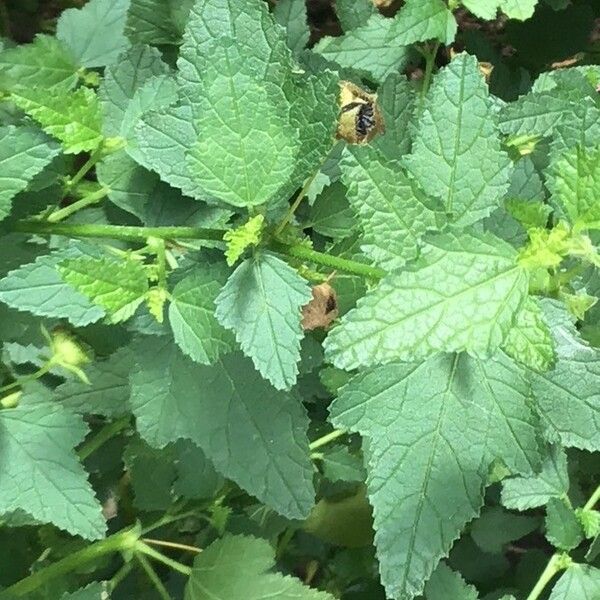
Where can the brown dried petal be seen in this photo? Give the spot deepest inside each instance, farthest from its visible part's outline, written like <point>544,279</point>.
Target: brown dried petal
<point>322,310</point>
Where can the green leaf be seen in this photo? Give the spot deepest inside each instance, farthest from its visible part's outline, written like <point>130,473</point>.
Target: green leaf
<point>95,33</point>
<point>354,13</point>
<point>371,48</point>
<point>568,396</point>
<point>496,527</point>
<point>522,493</point>
<point>563,529</point>
<point>40,472</point>
<point>529,341</point>
<point>576,186</point>
<point>340,465</point>
<point>24,152</point>
<point>392,211</point>
<point>121,81</point>
<point>331,214</point>
<point>241,567</point>
<point>118,286</point>
<point>192,313</point>
<point>240,238</point>
<point>396,99</point>
<point>446,584</point>
<point>252,433</point>
<point>462,294</point>
<point>291,14</point>
<point>107,393</point>
<point>578,582</point>
<point>456,154</point>
<point>155,21</point>
<point>513,9</point>
<point>152,474</point>
<point>93,591</point>
<point>247,148</point>
<point>72,117</point>
<point>38,288</point>
<point>196,476</point>
<point>45,63</point>
<point>426,481</point>
<point>261,304</point>
<point>421,20</point>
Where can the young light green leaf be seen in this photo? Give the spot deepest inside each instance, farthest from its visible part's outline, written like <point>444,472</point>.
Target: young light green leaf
<point>242,567</point>
<point>354,13</point>
<point>529,341</point>
<point>192,313</point>
<point>578,582</point>
<point>393,212</point>
<point>456,154</point>
<point>525,492</point>
<point>240,238</point>
<point>38,288</point>
<point>40,472</point>
<point>252,433</point>
<point>261,304</point>
<point>563,529</point>
<point>424,485</point>
<point>95,33</point>
<point>24,152</point>
<point>45,63</point>
<point>118,286</point>
<point>248,146</point>
<point>462,294</point>
<point>513,9</point>
<point>371,48</point>
<point>72,117</point>
<point>291,14</point>
<point>446,584</point>
<point>576,186</point>
<point>422,20</point>
<point>568,396</point>
<point>107,392</point>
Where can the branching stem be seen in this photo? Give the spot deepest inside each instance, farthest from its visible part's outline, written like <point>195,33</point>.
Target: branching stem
<point>67,211</point>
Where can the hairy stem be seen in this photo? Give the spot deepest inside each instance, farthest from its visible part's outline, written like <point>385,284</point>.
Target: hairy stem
<point>429,65</point>
<point>123,540</point>
<point>141,234</point>
<point>86,167</point>
<point>32,377</point>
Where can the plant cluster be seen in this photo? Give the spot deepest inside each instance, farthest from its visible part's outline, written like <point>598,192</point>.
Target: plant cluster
<point>300,316</point>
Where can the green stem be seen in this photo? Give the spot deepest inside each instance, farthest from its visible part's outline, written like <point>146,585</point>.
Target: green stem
<point>156,555</point>
<point>153,577</point>
<point>21,380</point>
<point>141,234</point>
<point>105,434</point>
<point>124,540</point>
<point>334,262</point>
<point>118,577</point>
<point>322,441</point>
<point>67,211</point>
<point>429,64</point>
<point>83,171</point>
<point>555,565</point>
<point>168,519</point>
<point>120,232</point>
<point>594,499</point>
<point>292,210</point>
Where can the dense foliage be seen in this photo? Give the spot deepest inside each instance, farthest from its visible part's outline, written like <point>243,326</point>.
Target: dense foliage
<point>300,304</point>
